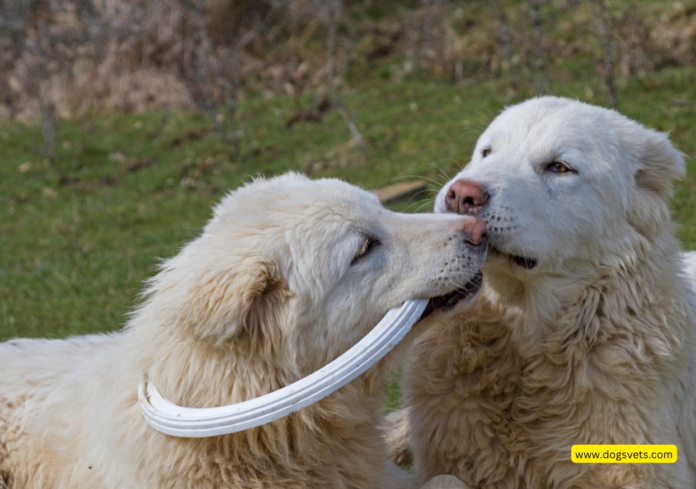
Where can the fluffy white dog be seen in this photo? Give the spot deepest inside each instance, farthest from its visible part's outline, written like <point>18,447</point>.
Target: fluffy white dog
<point>584,330</point>
<point>287,275</point>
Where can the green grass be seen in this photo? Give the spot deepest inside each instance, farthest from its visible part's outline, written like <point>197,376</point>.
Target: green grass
<point>80,236</point>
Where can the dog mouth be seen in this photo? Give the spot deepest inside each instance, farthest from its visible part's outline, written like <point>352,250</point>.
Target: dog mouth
<point>522,261</point>
<point>448,301</point>
<point>527,263</point>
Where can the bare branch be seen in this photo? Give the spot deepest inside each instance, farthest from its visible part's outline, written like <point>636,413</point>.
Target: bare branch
<point>354,132</point>
<point>333,13</point>
<point>504,36</point>
<point>608,48</point>
<point>542,79</point>
<point>683,103</point>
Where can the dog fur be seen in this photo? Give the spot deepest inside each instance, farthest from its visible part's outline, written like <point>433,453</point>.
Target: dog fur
<point>271,291</point>
<point>594,345</point>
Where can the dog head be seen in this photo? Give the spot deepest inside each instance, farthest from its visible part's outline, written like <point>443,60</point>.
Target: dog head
<point>297,270</point>
<point>562,183</point>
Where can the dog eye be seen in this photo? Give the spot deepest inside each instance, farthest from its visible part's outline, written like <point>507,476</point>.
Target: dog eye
<point>367,246</point>
<point>486,152</point>
<point>558,167</point>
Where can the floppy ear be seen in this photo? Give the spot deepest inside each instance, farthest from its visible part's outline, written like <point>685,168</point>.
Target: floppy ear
<point>242,308</point>
<point>659,164</point>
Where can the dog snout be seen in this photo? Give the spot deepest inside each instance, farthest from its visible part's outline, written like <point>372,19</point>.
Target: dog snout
<point>465,197</point>
<point>474,230</point>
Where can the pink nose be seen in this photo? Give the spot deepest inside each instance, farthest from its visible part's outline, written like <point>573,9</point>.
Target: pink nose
<point>474,230</point>
<point>465,196</point>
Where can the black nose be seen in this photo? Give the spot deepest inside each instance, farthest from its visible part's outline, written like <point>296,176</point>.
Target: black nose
<point>465,197</point>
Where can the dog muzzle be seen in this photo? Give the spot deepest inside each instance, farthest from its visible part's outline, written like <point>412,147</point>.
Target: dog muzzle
<point>174,420</point>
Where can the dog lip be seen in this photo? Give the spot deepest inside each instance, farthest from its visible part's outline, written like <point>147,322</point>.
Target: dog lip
<point>523,261</point>
<point>448,301</point>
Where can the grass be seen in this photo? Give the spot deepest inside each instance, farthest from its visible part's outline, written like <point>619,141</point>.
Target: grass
<point>80,235</point>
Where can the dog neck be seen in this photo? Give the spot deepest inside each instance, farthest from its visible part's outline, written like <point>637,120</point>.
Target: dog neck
<point>196,374</point>
<point>192,374</point>
<point>587,306</point>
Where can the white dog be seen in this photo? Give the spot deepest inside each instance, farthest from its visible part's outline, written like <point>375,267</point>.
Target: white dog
<point>584,330</point>
<point>287,275</point>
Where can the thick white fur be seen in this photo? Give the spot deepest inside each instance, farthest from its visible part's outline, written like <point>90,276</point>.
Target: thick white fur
<point>266,295</point>
<point>595,345</point>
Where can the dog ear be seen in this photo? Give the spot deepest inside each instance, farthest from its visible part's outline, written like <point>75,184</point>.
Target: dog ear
<point>660,164</point>
<point>241,309</point>
<point>261,327</point>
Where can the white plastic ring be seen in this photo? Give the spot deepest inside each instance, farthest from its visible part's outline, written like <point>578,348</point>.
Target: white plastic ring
<point>174,420</point>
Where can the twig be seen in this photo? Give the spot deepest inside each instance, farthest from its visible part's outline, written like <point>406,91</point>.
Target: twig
<point>354,132</point>
<point>350,43</point>
<point>504,34</point>
<point>48,127</point>
<point>335,101</point>
<point>542,79</point>
<point>331,43</point>
<point>683,103</point>
<point>428,27</point>
<point>608,59</point>
<point>414,40</point>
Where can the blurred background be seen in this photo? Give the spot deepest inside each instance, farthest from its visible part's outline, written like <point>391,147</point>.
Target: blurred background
<point>123,121</point>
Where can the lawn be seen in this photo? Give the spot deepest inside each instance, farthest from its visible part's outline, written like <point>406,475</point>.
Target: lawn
<point>80,235</point>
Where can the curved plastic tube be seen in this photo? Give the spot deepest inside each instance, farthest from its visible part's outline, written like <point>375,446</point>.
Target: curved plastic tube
<point>174,420</point>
